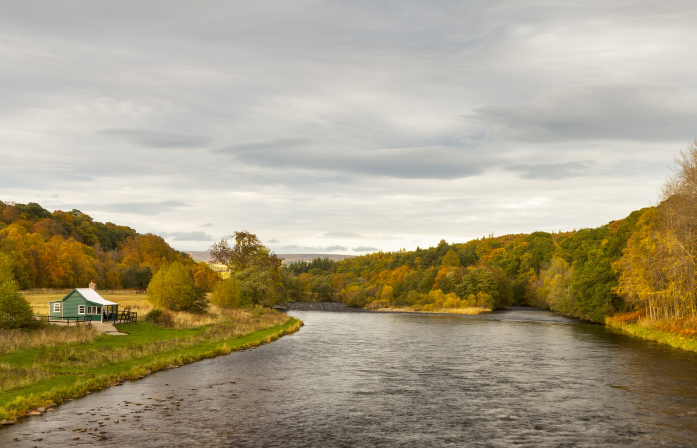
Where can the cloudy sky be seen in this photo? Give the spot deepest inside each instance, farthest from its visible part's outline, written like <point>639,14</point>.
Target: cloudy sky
<point>344,127</point>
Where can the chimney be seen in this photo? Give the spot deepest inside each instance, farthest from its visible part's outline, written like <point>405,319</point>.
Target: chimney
<point>93,285</point>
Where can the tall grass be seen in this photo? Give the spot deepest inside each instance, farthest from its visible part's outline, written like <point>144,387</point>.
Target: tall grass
<point>45,336</point>
<point>19,376</point>
<point>684,328</point>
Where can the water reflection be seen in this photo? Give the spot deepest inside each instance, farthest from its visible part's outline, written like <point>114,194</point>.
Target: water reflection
<point>515,377</point>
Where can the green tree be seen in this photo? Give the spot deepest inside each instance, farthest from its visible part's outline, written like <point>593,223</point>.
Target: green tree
<point>451,259</point>
<point>256,268</point>
<point>173,289</point>
<point>15,310</point>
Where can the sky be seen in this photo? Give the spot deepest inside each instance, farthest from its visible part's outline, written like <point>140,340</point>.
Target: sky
<point>344,127</point>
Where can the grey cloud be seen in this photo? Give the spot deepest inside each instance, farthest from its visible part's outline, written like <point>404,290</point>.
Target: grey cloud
<point>277,143</point>
<point>208,224</point>
<point>407,163</point>
<point>140,208</point>
<point>334,248</point>
<point>273,240</point>
<point>153,139</point>
<point>554,171</point>
<point>365,249</point>
<point>596,112</point>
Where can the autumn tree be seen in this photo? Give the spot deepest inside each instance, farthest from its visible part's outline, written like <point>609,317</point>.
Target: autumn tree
<point>451,259</point>
<point>227,294</point>
<point>658,269</point>
<point>256,268</point>
<point>172,288</point>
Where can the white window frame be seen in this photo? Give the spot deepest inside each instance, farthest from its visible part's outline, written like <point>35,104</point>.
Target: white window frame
<point>99,310</point>
<point>81,309</point>
<point>57,307</point>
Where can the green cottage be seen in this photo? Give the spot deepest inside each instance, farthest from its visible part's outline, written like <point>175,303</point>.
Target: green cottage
<point>83,303</point>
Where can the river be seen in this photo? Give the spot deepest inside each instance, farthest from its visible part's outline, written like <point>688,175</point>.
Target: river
<point>524,378</point>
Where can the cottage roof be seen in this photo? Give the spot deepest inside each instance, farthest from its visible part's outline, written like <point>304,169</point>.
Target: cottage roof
<point>93,296</point>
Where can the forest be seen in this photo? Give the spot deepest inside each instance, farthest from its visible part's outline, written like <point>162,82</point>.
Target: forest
<point>643,263</point>
<point>69,249</point>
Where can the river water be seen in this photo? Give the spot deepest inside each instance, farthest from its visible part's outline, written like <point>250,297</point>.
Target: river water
<point>524,378</point>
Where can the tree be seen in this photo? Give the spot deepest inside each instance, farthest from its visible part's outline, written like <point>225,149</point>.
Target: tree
<point>658,270</point>
<point>243,254</point>
<point>15,310</point>
<point>227,294</point>
<point>172,288</point>
<point>256,268</point>
<point>451,259</point>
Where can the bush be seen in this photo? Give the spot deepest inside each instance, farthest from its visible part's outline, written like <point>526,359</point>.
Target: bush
<point>226,294</point>
<point>15,310</point>
<point>153,315</point>
<point>159,317</point>
<point>173,289</point>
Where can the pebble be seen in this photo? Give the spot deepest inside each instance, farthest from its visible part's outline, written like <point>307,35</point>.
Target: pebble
<point>6,422</point>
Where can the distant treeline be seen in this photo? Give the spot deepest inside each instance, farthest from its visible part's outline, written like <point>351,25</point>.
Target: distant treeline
<point>68,249</point>
<point>646,262</point>
<point>491,272</point>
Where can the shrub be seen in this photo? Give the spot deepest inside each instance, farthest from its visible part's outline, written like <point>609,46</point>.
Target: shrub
<point>173,289</point>
<point>153,316</point>
<point>15,310</point>
<point>159,317</point>
<point>226,294</point>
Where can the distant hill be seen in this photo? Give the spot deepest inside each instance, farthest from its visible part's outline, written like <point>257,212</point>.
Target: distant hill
<point>287,258</point>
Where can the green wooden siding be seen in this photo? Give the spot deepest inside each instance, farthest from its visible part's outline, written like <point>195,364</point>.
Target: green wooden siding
<point>70,304</point>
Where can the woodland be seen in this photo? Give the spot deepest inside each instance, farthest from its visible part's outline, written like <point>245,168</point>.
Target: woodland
<point>641,265</point>
<point>69,249</point>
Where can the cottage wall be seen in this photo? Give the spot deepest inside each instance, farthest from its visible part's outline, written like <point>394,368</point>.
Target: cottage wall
<point>70,307</point>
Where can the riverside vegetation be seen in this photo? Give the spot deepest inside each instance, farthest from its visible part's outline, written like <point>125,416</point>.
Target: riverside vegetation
<point>637,273</point>
<point>46,365</point>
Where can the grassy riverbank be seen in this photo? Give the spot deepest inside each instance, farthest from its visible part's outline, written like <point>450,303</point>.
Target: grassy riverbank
<point>678,333</point>
<point>42,369</point>
<point>469,311</point>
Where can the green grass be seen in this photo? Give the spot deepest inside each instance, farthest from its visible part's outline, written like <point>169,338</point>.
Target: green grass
<point>65,372</point>
<point>650,334</point>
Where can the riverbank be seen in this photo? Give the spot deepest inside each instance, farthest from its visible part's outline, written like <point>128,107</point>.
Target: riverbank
<point>677,334</point>
<point>36,379</point>
<point>338,307</point>
<point>469,311</point>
